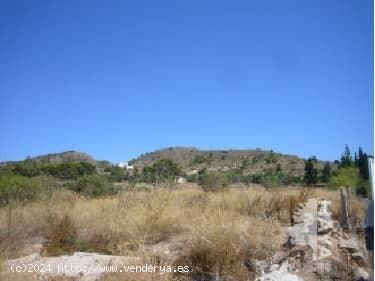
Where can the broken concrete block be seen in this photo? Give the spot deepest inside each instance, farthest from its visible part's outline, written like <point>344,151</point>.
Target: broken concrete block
<point>351,245</point>
<point>297,219</point>
<point>324,226</point>
<point>325,241</point>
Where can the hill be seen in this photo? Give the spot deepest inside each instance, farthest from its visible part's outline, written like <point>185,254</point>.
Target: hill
<point>250,161</point>
<point>58,158</point>
<point>67,156</point>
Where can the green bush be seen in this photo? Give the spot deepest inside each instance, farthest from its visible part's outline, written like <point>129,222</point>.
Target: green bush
<point>117,174</point>
<point>345,177</point>
<point>234,175</point>
<point>363,188</point>
<point>15,188</point>
<point>161,171</point>
<point>28,168</point>
<point>65,171</point>
<point>199,159</point>
<point>349,177</point>
<point>192,178</point>
<point>93,186</point>
<point>69,170</point>
<point>213,181</point>
<point>272,179</point>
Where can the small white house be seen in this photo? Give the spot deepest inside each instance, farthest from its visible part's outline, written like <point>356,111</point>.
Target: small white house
<point>125,165</point>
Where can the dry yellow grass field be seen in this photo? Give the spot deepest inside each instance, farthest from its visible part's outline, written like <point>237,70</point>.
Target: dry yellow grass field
<point>220,232</point>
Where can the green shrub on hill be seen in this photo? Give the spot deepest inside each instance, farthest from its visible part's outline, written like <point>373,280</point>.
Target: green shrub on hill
<point>349,177</point>
<point>65,171</point>
<point>28,168</point>
<point>345,177</point>
<point>161,171</point>
<point>212,181</point>
<point>117,174</point>
<point>69,170</point>
<point>93,186</point>
<point>20,189</point>
<point>234,175</point>
<point>272,179</point>
<point>199,159</point>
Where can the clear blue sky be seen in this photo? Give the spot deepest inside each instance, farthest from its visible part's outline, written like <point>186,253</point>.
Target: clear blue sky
<point>119,78</point>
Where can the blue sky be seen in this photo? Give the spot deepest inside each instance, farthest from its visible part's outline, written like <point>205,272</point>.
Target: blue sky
<point>119,78</point>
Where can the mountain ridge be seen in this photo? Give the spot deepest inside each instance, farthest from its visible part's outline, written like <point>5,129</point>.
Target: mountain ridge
<point>251,161</point>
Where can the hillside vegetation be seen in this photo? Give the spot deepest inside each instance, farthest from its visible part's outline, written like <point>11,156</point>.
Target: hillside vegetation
<point>38,177</point>
<point>251,161</point>
<point>57,158</point>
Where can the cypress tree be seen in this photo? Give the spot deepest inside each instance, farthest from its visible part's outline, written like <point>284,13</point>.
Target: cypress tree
<point>311,173</point>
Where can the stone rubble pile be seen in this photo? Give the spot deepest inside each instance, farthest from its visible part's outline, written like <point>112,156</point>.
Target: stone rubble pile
<point>80,265</point>
<point>317,249</point>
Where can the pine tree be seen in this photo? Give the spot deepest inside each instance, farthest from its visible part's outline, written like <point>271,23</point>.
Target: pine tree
<point>346,158</point>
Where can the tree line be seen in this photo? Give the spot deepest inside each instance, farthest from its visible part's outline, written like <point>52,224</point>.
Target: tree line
<point>350,172</point>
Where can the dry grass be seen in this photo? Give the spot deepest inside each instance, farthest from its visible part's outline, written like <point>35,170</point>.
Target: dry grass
<point>223,232</point>
<point>61,239</point>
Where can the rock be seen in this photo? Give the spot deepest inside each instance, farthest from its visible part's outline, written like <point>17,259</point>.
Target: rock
<point>324,226</point>
<point>323,253</point>
<point>323,209</point>
<point>331,269</point>
<point>282,274</point>
<point>261,266</point>
<point>359,259</point>
<point>274,267</point>
<point>297,219</point>
<point>77,265</point>
<point>323,267</point>
<point>279,257</point>
<point>336,229</point>
<point>361,275</point>
<point>351,245</point>
<point>325,241</point>
<point>305,233</point>
<point>291,242</point>
<point>324,205</point>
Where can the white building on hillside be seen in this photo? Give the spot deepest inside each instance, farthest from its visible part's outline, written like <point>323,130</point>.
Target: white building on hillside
<point>125,165</point>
